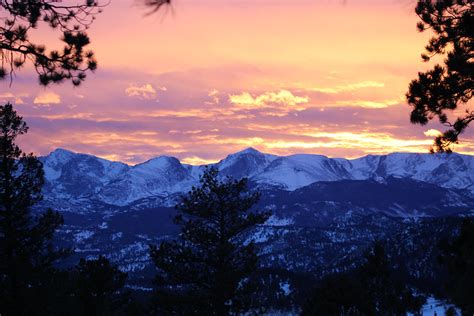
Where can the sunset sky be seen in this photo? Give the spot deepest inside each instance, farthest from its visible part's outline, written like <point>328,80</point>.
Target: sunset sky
<point>209,78</point>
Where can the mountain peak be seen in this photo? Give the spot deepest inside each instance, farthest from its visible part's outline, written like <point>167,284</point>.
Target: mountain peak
<point>159,162</point>
<point>245,163</point>
<point>249,150</point>
<point>60,154</point>
<point>62,151</point>
<point>247,153</point>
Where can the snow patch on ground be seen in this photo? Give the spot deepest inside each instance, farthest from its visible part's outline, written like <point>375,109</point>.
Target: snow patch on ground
<point>436,307</point>
<point>277,221</point>
<point>286,288</point>
<point>83,235</point>
<point>260,235</point>
<point>117,236</point>
<point>139,288</point>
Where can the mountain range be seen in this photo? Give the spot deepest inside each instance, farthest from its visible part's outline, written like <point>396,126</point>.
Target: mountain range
<point>71,176</point>
<point>325,211</point>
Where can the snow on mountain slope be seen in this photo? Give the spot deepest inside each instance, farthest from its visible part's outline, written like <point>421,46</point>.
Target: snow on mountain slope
<point>446,170</point>
<point>70,175</point>
<point>296,171</point>
<point>158,176</point>
<point>246,163</point>
<point>78,176</point>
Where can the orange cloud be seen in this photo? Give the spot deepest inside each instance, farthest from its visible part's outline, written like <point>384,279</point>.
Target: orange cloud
<point>145,92</point>
<point>365,142</point>
<point>47,98</point>
<point>279,102</point>
<point>369,104</point>
<point>196,161</point>
<point>350,87</point>
<point>8,96</point>
<point>432,133</point>
<point>214,95</point>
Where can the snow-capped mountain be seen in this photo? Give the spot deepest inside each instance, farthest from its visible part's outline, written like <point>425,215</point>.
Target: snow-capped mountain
<point>325,211</point>
<point>72,176</point>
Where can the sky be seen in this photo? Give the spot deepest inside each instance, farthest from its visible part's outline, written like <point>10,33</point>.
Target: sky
<point>207,78</point>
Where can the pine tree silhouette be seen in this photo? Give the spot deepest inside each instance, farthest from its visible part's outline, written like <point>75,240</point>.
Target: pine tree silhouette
<point>446,87</point>
<point>388,293</point>
<point>26,249</point>
<point>71,19</point>
<point>457,256</point>
<point>206,270</point>
<point>371,289</point>
<point>98,287</point>
<point>71,63</point>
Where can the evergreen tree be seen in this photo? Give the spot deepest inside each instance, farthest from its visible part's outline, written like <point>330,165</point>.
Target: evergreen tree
<point>340,294</point>
<point>450,86</point>
<point>372,289</point>
<point>458,256</point>
<point>72,62</point>
<point>387,292</point>
<point>206,271</point>
<point>71,19</point>
<point>98,287</point>
<point>26,250</point>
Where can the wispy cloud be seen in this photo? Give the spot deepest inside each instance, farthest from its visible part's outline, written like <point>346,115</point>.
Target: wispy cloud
<point>214,96</point>
<point>201,122</point>
<point>369,103</point>
<point>349,87</point>
<point>16,98</point>
<point>275,103</point>
<point>145,92</point>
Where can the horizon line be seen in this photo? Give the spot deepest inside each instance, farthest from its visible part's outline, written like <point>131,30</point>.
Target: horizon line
<point>246,149</point>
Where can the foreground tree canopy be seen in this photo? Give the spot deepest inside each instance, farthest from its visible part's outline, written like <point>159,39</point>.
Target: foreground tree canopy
<point>26,249</point>
<point>16,47</point>
<point>446,87</point>
<point>30,281</point>
<point>98,287</point>
<point>206,271</point>
<point>457,256</point>
<point>374,288</point>
<point>69,18</point>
